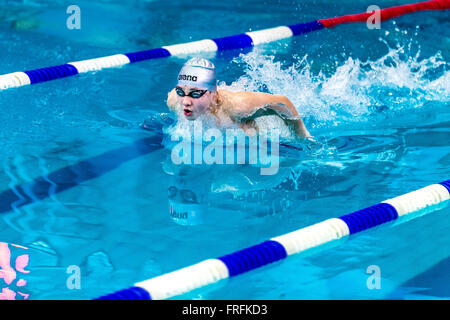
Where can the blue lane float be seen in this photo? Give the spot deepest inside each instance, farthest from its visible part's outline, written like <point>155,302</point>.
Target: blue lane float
<point>51,73</point>
<point>253,257</point>
<point>302,28</point>
<point>147,55</point>
<point>369,217</point>
<point>213,270</point>
<point>131,293</point>
<point>446,184</point>
<point>239,41</point>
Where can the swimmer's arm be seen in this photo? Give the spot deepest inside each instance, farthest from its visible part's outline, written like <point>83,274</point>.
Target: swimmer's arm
<point>275,105</point>
<point>295,119</point>
<point>172,100</point>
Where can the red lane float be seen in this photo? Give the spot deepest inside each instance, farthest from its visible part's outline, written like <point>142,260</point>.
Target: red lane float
<point>388,13</point>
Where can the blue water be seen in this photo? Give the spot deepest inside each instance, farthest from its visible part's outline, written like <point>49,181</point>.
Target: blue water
<point>82,184</point>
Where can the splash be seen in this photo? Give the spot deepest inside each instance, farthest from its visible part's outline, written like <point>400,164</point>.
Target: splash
<point>355,91</point>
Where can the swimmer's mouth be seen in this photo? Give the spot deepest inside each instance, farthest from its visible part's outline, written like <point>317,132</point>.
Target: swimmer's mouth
<point>187,112</point>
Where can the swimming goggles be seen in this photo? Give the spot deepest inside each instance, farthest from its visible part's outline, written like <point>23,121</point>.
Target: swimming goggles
<point>193,94</point>
<point>187,195</point>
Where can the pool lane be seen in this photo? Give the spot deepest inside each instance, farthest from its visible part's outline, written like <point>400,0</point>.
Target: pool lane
<point>73,175</point>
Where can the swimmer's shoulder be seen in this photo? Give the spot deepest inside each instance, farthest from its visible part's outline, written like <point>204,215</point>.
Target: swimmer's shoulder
<point>244,102</point>
<point>172,99</point>
<point>243,94</point>
<point>234,102</point>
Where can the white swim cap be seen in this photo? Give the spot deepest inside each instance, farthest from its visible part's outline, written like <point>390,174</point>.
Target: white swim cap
<point>200,73</point>
<point>186,214</point>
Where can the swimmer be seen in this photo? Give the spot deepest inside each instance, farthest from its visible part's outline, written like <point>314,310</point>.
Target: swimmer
<point>196,94</point>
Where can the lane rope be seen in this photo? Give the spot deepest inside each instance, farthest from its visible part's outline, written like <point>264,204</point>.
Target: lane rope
<point>240,41</point>
<point>213,270</point>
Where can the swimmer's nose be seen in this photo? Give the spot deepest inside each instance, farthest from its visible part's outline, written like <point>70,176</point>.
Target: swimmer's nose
<point>187,101</point>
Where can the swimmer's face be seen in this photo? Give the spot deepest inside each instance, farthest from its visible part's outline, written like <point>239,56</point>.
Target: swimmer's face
<point>194,101</point>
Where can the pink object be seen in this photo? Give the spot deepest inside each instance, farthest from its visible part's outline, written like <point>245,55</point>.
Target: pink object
<point>7,294</point>
<point>8,274</point>
<point>21,263</point>
<point>21,283</point>
<point>24,295</point>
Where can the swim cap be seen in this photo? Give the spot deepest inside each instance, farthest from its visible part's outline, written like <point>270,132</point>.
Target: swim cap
<point>186,214</point>
<point>200,73</point>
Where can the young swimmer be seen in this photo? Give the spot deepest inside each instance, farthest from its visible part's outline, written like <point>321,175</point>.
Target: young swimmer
<point>196,93</point>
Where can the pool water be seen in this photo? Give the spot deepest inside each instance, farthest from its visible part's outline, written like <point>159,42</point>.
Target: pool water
<point>84,187</point>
